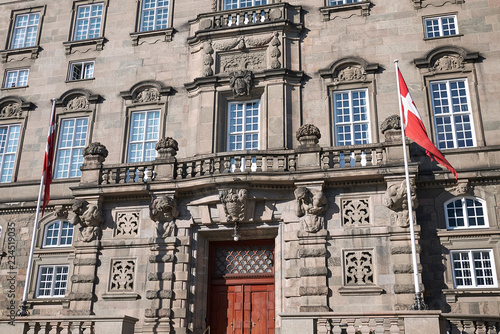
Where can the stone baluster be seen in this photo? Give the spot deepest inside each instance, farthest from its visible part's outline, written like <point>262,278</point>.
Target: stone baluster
<point>291,163</point>
<point>369,157</point>
<point>270,163</point>
<point>379,326</point>
<point>105,176</point>
<point>130,175</point>
<point>140,174</point>
<point>281,163</point>
<point>122,175</point>
<point>217,165</point>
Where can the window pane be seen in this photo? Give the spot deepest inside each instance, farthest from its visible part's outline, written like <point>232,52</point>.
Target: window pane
<point>144,134</point>
<point>88,22</point>
<point>351,117</point>
<point>72,139</point>
<point>9,139</point>
<point>25,30</point>
<point>154,15</point>
<point>243,126</point>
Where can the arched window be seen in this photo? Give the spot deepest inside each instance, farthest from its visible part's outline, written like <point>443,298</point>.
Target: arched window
<point>466,212</point>
<point>58,233</point>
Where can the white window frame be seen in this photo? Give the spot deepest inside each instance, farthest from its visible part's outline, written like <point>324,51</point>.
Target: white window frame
<point>238,3</point>
<point>155,14</point>
<point>473,269</point>
<point>8,151</point>
<point>440,25</point>
<point>71,167</point>
<point>148,139</point>
<point>441,143</point>
<point>52,280</point>
<point>64,225</point>
<point>465,213</point>
<point>25,30</point>
<point>17,74</point>
<point>341,2</point>
<point>351,122</point>
<point>87,21</point>
<point>85,67</point>
<point>244,132</point>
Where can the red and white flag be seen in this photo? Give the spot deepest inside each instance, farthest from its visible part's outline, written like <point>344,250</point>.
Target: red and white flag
<point>49,157</point>
<point>414,127</point>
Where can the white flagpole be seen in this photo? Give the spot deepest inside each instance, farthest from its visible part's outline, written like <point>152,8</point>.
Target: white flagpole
<point>418,304</point>
<point>23,308</point>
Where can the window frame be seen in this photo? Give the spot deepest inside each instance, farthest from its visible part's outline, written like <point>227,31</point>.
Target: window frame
<point>77,19</point>
<point>223,4</point>
<point>59,236</point>
<point>129,132</point>
<point>15,154</point>
<point>53,280</point>
<point>452,115</point>
<point>243,133</point>
<point>72,148</point>
<point>83,63</point>
<point>425,19</point>
<point>473,269</point>
<point>352,122</point>
<point>141,16</point>
<point>13,70</point>
<point>465,213</point>
<point>344,2</point>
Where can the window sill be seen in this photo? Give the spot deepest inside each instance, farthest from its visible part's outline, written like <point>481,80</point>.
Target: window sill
<point>121,296</point>
<point>442,37</point>
<point>452,295</point>
<point>152,36</point>
<point>49,301</point>
<point>33,51</point>
<point>361,290</point>
<point>13,88</point>
<point>364,6</point>
<point>79,80</point>
<point>97,42</point>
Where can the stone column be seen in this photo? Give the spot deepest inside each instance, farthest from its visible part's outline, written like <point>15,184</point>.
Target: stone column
<point>165,161</point>
<point>308,152</point>
<point>93,157</point>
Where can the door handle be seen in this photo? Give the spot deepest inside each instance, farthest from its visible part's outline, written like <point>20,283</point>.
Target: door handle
<point>232,325</point>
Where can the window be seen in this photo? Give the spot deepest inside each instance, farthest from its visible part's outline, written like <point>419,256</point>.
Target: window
<point>351,117</point>
<point>25,30</point>
<point>72,140</point>
<point>144,133</point>
<point>341,2</point>
<point>154,15</point>
<point>9,139</point>
<point>58,234</point>
<point>452,114</point>
<point>52,281</point>
<point>466,212</point>
<point>440,26</point>
<point>88,21</point>
<point>81,70</point>
<point>243,126</point>
<point>234,4</point>
<point>473,269</point>
<point>16,78</point>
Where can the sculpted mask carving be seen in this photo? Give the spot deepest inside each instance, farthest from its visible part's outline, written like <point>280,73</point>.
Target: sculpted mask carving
<point>88,217</point>
<point>78,103</point>
<point>234,203</point>
<point>396,199</point>
<point>163,210</point>
<point>148,95</point>
<point>11,110</point>
<point>311,204</point>
<point>240,83</point>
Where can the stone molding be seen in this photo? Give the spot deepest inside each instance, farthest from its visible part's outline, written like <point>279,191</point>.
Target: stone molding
<point>349,70</point>
<point>332,12</point>
<point>446,59</point>
<point>146,92</point>
<point>14,107</point>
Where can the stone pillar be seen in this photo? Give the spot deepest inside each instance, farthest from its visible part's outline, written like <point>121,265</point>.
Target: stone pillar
<point>165,161</point>
<point>308,152</point>
<point>391,128</point>
<point>93,157</point>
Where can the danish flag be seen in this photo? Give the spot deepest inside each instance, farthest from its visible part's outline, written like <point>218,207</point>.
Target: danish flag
<point>47,161</point>
<point>414,127</point>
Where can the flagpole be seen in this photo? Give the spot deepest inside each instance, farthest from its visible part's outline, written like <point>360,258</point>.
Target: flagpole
<point>418,303</point>
<point>23,308</point>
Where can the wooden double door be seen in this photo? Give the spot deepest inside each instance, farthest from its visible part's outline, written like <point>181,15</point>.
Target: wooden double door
<point>241,305</point>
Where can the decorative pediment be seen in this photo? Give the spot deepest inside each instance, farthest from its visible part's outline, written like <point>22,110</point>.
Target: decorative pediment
<point>350,69</point>
<point>77,100</point>
<point>13,107</point>
<point>146,92</point>
<point>446,58</point>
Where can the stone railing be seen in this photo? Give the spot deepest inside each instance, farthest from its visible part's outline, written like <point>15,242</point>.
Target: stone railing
<point>128,173</point>
<point>462,324</point>
<point>72,324</point>
<point>248,16</point>
<point>352,156</point>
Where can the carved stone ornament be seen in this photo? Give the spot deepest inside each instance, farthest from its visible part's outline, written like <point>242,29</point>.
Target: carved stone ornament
<point>358,267</point>
<point>122,275</point>
<point>242,43</point>
<point>391,123</point>
<point>308,135</point>
<point>163,210</point>
<point>208,59</point>
<point>95,148</point>
<point>461,189</point>
<point>234,201</point>
<point>446,63</point>
<point>11,110</point>
<point>167,147</point>
<point>242,61</point>
<point>88,217</point>
<point>127,224</point>
<point>351,73</point>
<point>78,103</point>
<point>275,51</point>
<point>396,199</point>
<point>148,95</point>
<point>356,212</point>
<point>311,204</point>
<point>240,83</point>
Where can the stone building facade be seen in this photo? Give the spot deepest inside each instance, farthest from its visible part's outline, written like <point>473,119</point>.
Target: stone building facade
<point>233,166</point>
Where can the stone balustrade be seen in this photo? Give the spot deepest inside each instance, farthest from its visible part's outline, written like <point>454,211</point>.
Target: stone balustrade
<point>352,156</point>
<point>128,173</point>
<point>465,323</point>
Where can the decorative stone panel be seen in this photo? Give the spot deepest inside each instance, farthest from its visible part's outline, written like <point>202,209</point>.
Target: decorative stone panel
<point>127,224</point>
<point>358,267</point>
<point>122,275</point>
<point>356,212</point>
